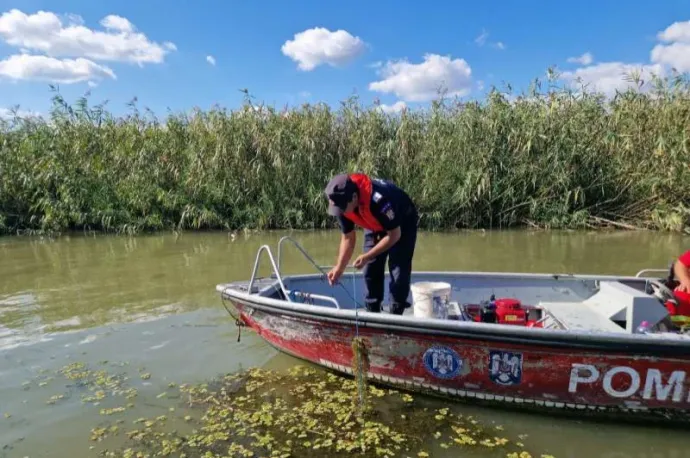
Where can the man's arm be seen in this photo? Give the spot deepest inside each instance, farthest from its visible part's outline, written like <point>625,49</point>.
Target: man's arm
<point>347,247</point>
<point>390,239</point>
<point>348,240</point>
<point>390,220</point>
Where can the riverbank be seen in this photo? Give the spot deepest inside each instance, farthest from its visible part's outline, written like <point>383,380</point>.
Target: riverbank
<point>547,160</point>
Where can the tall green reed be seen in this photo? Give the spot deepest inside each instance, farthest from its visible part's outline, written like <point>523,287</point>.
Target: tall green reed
<point>551,158</point>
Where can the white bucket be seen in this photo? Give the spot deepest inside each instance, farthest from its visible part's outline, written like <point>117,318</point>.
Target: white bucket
<point>430,299</point>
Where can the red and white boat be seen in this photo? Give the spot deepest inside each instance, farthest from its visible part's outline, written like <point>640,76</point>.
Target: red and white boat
<point>559,342</point>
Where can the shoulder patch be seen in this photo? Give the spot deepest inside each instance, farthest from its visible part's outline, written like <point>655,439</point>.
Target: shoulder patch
<point>376,196</point>
<point>388,211</point>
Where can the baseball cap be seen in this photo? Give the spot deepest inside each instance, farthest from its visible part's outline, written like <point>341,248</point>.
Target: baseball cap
<point>340,191</point>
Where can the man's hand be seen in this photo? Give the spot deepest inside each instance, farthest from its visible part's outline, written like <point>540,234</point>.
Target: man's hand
<point>334,275</point>
<point>684,287</point>
<point>347,245</point>
<point>383,245</point>
<point>683,276</point>
<point>361,261</point>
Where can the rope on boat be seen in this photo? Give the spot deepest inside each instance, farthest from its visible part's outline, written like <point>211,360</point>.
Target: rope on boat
<point>238,322</point>
<point>359,354</point>
<point>354,293</point>
<point>352,296</point>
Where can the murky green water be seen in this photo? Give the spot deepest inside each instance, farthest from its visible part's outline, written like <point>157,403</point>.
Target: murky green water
<point>148,305</point>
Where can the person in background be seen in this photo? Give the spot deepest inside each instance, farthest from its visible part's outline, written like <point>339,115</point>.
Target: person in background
<point>389,219</point>
<point>679,306</point>
<point>681,268</point>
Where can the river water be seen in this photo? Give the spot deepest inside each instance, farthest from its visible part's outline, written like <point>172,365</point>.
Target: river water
<point>147,305</point>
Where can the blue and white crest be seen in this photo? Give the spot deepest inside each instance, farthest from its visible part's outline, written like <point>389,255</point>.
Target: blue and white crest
<point>442,362</point>
<point>505,367</point>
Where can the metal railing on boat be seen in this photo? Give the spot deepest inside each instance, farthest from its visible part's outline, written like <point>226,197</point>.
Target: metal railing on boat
<point>644,271</point>
<point>276,271</point>
<point>301,249</point>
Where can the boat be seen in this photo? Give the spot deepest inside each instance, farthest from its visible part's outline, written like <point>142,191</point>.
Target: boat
<point>600,345</point>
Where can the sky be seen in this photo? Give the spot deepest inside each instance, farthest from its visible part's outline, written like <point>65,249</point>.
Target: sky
<point>183,55</point>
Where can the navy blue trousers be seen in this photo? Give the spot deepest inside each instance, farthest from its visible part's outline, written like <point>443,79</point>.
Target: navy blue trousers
<point>399,267</point>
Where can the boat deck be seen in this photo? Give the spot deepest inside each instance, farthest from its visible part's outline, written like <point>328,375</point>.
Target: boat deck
<point>579,316</point>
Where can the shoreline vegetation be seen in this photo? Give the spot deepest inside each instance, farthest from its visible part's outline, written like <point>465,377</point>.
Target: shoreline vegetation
<point>551,158</point>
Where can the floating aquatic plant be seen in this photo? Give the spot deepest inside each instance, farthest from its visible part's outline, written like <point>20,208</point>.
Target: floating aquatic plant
<point>55,398</point>
<point>302,413</point>
<point>99,382</point>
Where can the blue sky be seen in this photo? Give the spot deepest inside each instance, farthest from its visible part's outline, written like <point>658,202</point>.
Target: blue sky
<point>157,51</point>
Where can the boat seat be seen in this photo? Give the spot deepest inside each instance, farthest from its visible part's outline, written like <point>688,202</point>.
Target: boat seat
<point>620,302</point>
<point>579,316</point>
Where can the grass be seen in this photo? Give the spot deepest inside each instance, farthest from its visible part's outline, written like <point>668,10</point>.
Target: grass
<point>551,158</point>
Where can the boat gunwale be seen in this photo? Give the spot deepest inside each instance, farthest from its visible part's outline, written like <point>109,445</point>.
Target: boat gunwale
<point>606,342</point>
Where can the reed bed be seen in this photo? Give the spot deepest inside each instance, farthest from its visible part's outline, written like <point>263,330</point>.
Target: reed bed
<point>549,158</point>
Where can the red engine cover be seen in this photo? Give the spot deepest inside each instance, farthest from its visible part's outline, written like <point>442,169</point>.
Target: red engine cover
<point>510,311</point>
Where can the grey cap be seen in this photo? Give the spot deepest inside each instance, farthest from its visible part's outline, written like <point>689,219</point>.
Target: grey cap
<point>339,191</point>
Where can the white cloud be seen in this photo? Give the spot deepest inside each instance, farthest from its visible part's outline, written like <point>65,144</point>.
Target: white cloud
<point>6,113</point>
<point>74,19</point>
<point>117,23</point>
<point>676,55</point>
<point>607,77</point>
<point>678,31</point>
<point>395,108</point>
<point>211,60</point>
<point>585,59</point>
<point>305,94</point>
<point>43,68</point>
<point>45,32</point>
<point>421,82</point>
<point>481,39</point>
<point>318,46</point>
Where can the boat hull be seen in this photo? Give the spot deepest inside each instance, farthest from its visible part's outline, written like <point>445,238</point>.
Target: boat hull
<point>520,374</point>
